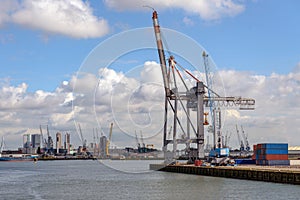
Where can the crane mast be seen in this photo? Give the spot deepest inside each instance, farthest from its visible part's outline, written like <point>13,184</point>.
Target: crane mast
<point>161,53</point>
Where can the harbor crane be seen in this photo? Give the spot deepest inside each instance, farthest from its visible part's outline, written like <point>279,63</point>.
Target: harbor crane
<point>84,147</point>
<point>192,101</point>
<point>2,145</point>
<point>142,139</point>
<point>247,146</point>
<point>137,141</point>
<point>242,146</point>
<point>109,140</point>
<point>49,142</point>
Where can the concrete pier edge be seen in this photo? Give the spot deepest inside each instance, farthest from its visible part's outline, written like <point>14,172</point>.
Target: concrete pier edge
<point>276,175</point>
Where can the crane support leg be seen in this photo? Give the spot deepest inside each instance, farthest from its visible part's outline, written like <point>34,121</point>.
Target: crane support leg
<point>200,127</point>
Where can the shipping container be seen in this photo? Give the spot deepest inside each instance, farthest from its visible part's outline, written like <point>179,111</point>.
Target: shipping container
<point>276,151</point>
<point>259,146</point>
<point>274,146</point>
<point>273,162</point>
<point>271,151</point>
<point>273,157</point>
<point>254,147</point>
<point>277,162</point>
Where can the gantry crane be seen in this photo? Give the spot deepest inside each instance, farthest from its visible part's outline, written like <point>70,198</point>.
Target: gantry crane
<point>195,100</point>
<point>215,112</point>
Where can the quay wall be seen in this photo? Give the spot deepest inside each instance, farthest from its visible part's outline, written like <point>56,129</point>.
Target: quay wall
<point>276,175</point>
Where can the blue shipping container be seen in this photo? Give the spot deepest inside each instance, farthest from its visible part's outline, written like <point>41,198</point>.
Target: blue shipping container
<point>271,151</point>
<point>275,145</point>
<point>276,151</point>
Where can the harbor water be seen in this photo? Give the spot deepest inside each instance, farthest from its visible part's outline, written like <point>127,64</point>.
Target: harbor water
<point>120,179</point>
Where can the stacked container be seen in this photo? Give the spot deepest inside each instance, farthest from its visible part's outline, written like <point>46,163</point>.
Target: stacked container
<point>271,154</point>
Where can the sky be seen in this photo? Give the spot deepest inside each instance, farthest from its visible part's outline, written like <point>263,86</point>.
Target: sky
<point>94,62</point>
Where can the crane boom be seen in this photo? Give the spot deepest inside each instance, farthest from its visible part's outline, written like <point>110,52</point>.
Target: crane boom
<point>161,53</point>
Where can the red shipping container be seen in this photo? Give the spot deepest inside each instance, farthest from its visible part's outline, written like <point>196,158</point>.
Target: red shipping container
<point>276,157</point>
<point>254,147</point>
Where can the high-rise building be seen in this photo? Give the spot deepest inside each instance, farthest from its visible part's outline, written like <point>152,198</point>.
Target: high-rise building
<point>36,140</point>
<point>67,143</point>
<point>103,142</point>
<point>58,142</point>
<point>27,141</point>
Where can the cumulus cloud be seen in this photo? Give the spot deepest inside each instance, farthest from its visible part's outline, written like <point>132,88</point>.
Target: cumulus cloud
<point>206,9</point>
<point>277,110</point>
<point>6,7</point>
<point>71,18</point>
<point>135,103</point>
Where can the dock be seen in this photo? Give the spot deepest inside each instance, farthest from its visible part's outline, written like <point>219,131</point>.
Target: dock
<point>286,175</point>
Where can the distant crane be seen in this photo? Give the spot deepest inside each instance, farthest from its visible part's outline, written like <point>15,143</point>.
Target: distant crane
<point>245,139</point>
<point>242,146</point>
<point>82,138</point>
<point>142,139</point>
<point>137,142</point>
<point>2,145</point>
<point>94,136</point>
<point>109,140</point>
<point>227,139</point>
<point>49,142</point>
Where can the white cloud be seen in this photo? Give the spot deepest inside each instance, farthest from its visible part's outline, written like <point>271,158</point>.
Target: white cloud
<point>277,105</point>
<point>136,103</point>
<point>206,9</point>
<point>71,18</point>
<point>6,7</point>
